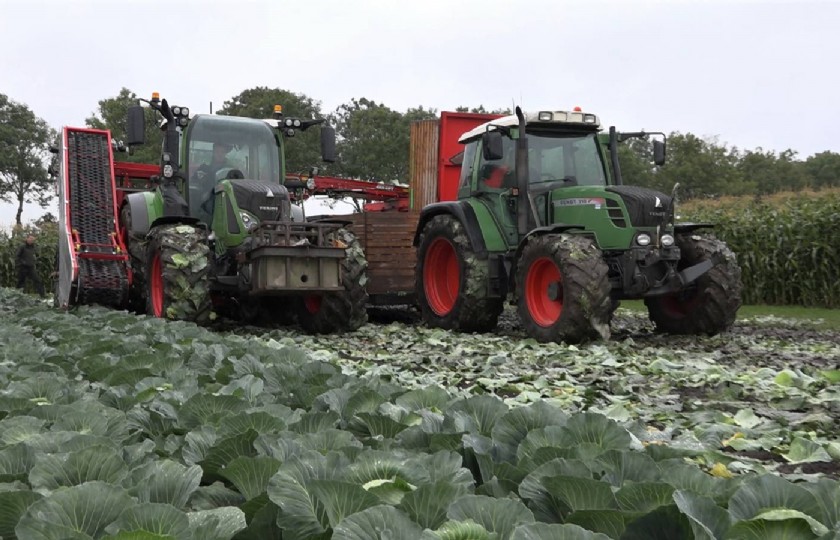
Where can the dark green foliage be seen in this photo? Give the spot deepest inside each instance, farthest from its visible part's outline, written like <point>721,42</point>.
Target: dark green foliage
<point>374,139</point>
<point>111,114</point>
<point>706,168</point>
<point>24,154</point>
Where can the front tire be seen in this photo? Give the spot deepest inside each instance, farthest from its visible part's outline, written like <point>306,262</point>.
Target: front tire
<point>343,311</point>
<point>451,281</point>
<point>710,304</point>
<point>563,289</point>
<point>177,285</point>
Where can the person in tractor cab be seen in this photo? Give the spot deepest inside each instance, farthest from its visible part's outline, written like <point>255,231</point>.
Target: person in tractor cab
<point>25,260</point>
<point>217,163</point>
<point>205,178</point>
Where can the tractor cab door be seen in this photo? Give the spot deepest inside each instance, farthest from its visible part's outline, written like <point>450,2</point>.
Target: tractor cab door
<point>491,183</point>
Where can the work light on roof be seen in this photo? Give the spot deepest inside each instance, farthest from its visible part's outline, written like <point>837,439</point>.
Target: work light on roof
<point>545,116</point>
<point>185,111</point>
<point>176,111</point>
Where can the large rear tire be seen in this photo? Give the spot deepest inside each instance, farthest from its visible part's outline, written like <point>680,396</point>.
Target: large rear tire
<point>178,263</point>
<point>451,282</point>
<point>563,289</point>
<point>710,304</point>
<point>344,311</point>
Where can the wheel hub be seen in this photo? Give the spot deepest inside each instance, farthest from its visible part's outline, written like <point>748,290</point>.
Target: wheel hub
<point>555,291</point>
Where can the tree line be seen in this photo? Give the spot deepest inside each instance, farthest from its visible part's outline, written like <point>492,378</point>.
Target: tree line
<point>373,144</point>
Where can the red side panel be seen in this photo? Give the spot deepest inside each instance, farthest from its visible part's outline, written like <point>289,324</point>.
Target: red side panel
<point>452,126</point>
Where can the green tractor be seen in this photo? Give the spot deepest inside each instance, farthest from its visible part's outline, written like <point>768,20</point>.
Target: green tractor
<point>219,233</point>
<point>542,215</point>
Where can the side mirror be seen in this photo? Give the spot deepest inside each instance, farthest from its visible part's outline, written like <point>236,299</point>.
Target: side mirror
<point>491,145</point>
<point>328,144</point>
<point>658,152</point>
<point>135,128</point>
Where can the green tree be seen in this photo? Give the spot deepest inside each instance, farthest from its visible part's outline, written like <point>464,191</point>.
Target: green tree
<point>635,158</point>
<point>823,170</point>
<point>702,167</point>
<point>112,114</point>
<point>304,150</point>
<point>481,110</point>
<point>24,152</point>
<point>768,172</point>
<point>374,139</point>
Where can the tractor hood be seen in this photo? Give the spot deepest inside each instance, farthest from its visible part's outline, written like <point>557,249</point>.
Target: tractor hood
<point>262,199</point>
<point>646,207</point>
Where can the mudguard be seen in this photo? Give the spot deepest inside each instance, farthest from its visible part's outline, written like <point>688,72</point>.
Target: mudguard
<point>464,213</point>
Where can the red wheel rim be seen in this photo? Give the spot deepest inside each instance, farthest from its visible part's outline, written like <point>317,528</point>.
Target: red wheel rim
<point>312,303</point>
<point>156,286</point>
<point>441,276</point>
<point>544,310</point>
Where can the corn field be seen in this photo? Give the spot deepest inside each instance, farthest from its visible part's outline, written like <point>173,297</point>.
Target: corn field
<point>789,250</point>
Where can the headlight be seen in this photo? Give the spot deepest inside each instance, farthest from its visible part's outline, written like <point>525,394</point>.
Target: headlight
<point>248,221</point>
<point>643,239</point>
<point>310,183</point>
<point>667,240</point>
<point>167,171</point>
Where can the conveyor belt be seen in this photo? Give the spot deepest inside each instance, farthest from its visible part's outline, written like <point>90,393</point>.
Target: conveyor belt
<point>103,274</point>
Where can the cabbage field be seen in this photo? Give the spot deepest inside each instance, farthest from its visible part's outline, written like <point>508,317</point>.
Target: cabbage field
<point>125,427</point>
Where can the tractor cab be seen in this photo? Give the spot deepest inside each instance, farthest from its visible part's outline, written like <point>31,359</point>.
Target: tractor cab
<point>569,176</point>
<point>233,172</point>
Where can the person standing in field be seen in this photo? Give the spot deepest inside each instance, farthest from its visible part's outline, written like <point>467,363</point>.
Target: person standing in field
<point>25,261</point>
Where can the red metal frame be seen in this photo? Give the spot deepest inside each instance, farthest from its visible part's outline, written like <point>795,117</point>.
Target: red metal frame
<point>131,177</point>
<point>389,197</point>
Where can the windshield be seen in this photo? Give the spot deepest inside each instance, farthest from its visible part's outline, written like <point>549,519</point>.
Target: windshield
<point>552,156</point>
<point>561,156</point>
<point>221,147</point>
<point>224,142</point>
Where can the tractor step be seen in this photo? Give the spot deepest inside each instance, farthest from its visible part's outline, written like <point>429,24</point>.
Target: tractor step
<point>93,263</point>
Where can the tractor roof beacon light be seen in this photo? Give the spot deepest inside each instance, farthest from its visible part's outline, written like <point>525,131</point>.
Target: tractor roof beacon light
<point>155,97</point>
<point>577,109</point>
<point>278,111</point>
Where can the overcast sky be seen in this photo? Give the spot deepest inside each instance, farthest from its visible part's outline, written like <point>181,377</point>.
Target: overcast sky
<point>754,74</point>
